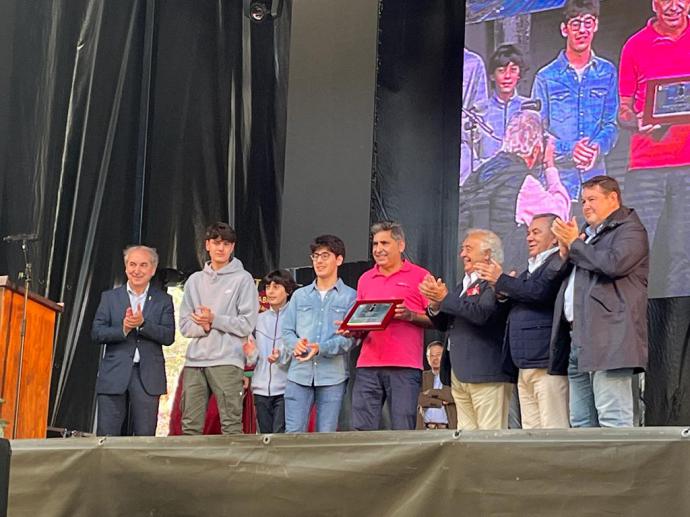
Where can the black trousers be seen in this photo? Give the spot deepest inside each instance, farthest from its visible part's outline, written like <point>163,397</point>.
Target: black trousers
<point>270,413</point>
<point>112,409</point>
<point>398,386</point>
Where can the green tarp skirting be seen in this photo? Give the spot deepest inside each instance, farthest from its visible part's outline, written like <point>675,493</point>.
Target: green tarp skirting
<point>567,472</point>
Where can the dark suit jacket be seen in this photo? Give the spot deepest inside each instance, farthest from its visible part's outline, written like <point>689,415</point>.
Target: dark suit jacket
<point>475,325</point>
<point>430,397</point>
<point>158,329</point>
<point>610,299</point>
<point>532,298</point>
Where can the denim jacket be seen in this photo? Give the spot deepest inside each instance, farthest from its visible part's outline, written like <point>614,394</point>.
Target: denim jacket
<point>496,114</point>
<point>308,317</point>
<point>574,109</point>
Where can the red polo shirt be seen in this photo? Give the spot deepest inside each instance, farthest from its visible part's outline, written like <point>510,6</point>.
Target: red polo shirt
<point>650,55</point>
<point>401,343</point>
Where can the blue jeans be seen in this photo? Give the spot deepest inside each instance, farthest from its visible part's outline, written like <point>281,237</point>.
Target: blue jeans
<point>298,402</point>
<point>600,399</point>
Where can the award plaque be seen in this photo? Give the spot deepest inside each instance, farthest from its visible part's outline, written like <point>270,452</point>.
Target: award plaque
<point>370,315</point>
<point>667,101</point>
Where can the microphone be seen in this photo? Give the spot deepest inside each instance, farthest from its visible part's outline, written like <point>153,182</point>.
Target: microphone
<point>21,237</point>
<point>531,105</point>
<point>475,118</point>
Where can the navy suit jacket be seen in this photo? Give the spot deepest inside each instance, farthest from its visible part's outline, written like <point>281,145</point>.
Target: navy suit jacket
<point>532,298</point>
<point>475,323</point>
<point>158,329</point>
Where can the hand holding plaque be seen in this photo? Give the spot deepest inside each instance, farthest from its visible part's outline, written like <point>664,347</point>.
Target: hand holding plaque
<point>370,315</point>
<point>667,101</point>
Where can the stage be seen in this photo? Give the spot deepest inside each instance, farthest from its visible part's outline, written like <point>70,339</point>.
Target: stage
<point>566,472</point>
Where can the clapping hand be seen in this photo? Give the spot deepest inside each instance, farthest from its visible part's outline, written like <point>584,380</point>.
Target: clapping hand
<point>249,347</point>
<point>203,316</point>
<point>132,319</point>
<point>275,355</point>
<point>304,350</point>
<point>489,272</point>
<point>566,232</point>
<point>434,290</point>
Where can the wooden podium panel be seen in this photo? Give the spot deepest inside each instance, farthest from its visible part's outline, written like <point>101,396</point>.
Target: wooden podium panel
<point>33,390</point>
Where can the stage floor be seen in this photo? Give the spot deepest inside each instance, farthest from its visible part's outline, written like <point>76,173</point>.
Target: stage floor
<point>528,473</point>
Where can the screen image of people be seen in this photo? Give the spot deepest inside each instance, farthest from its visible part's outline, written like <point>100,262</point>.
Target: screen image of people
<point>584,90</point>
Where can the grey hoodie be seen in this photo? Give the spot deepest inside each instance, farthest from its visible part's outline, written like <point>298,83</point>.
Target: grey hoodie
<point>231,295</point>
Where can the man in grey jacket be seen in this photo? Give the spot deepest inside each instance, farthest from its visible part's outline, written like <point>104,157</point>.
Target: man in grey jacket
<point>603,302</point>
<point>218,311</point>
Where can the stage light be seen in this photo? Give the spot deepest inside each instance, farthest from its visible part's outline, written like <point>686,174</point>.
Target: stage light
<point>259,10</point>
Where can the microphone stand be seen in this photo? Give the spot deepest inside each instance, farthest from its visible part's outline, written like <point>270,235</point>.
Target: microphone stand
<point>22,333</point>
<point>476,121</point>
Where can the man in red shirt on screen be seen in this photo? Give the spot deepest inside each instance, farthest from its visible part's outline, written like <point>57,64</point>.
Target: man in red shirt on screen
<point>658,181</point>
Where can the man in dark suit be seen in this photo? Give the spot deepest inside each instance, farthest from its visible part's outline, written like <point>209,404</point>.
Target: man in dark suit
<point>475,321</point>
<point>435,406</point>
<point>133,321</point>
<point>543,391</point>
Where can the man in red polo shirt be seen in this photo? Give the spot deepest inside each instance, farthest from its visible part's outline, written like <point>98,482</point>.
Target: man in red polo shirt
<point>390,363</point>
<point>658,182</point>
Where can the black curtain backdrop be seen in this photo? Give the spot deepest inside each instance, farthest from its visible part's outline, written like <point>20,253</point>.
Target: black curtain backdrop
<point>197,63</point>
<point>125,121</point>
<point>417,128</point>
<point>667,382</point>
<point>417,123</point>
<point>217,131</point>
<point>68,169</point>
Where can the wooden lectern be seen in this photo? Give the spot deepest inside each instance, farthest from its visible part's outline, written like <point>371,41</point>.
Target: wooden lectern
<point>33,389</point>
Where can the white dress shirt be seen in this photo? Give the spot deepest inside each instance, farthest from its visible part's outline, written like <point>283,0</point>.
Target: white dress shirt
<point>533,263</point>
<point>134,301</point>
<point>568,299</point>
<point>468,280</point>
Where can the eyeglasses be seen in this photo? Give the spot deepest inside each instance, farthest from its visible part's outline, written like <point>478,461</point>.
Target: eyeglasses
<point>588,22</point>
<point>325,255</point>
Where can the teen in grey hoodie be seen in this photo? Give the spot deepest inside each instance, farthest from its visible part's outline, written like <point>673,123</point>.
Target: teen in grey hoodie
<point>219,310</point>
